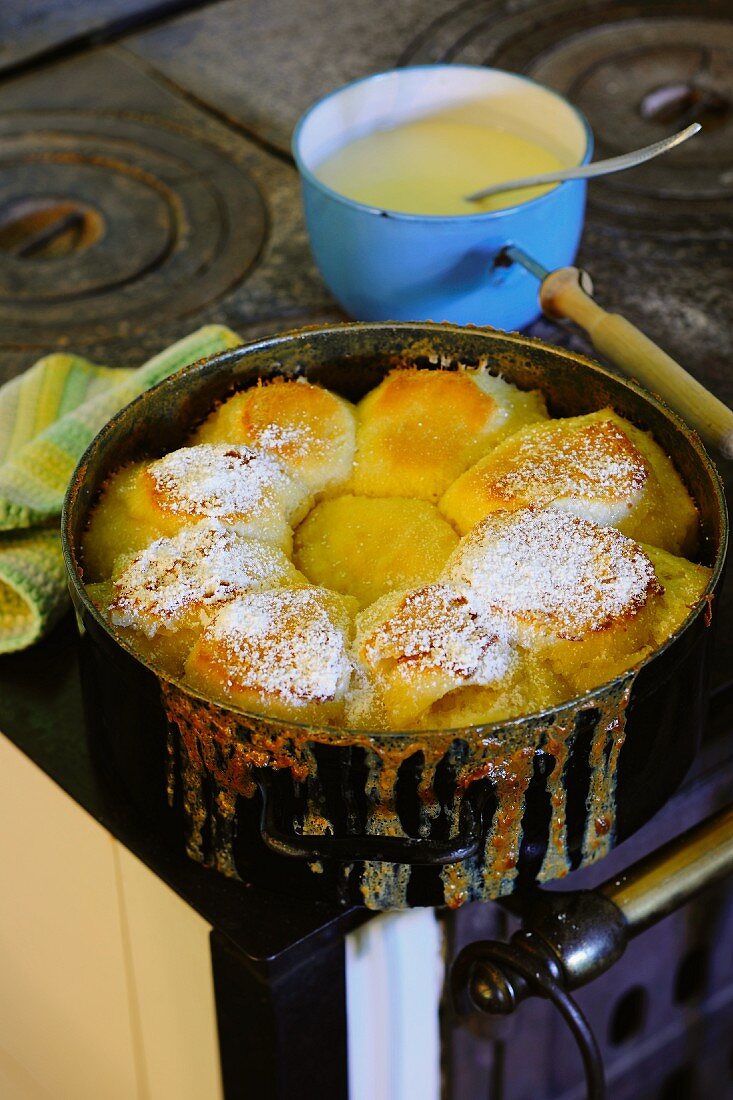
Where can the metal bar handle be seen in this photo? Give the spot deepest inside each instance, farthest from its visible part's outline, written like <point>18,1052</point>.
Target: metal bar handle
<point>668,878</point>
<point>386,849</point>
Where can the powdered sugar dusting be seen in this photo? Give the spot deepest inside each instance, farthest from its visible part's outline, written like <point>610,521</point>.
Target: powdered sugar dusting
<point>283,643</point>
<point>309,428</point>
<point>596,460</point>
<point>203,566</point>
<point>221,480</point>
<point>555,573</point>
<point>284,438</point>
<point>435,628</point>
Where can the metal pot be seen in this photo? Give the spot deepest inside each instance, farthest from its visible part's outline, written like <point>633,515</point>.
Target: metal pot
<point>408,818</point>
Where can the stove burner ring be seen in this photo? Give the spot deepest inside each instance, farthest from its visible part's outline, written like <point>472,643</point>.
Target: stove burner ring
<point>637,80</point>
<point>637,71</point>
<point>110,224</point>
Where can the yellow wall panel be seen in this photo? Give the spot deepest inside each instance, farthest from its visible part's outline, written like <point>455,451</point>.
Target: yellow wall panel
<point>65,1009</point>
<point>174,991</point>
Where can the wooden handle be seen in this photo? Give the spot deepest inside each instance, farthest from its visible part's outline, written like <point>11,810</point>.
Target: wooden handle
<point>562,295</point>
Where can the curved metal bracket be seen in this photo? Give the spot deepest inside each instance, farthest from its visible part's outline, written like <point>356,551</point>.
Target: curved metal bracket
<point>485,964</point>
<point>572,937</point>
<point>387,849</point>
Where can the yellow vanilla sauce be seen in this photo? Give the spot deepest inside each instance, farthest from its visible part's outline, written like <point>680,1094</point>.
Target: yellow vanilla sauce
<point>430,165</point>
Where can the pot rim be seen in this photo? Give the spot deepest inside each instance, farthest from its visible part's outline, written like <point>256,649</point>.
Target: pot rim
<point>487,731</point>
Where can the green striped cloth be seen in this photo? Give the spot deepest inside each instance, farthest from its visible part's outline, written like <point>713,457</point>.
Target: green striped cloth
<point>48,417</point>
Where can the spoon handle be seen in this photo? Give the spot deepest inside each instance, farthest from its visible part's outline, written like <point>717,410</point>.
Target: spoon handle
<point>562,295</point>
<point>587,171</point>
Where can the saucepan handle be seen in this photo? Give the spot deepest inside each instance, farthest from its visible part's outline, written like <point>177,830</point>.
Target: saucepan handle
<point>567,293</point>
<point>386,849</point>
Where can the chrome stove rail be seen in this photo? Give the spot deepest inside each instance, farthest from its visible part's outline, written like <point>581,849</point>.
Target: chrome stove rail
<point>569,938</point>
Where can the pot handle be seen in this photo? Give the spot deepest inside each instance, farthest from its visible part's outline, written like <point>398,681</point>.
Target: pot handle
<point>350,849</point>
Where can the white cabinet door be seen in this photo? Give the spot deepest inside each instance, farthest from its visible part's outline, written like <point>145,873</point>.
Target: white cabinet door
<point>173,987</point>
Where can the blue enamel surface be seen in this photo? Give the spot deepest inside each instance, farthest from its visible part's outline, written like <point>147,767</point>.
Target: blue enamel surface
<point>383,265</point>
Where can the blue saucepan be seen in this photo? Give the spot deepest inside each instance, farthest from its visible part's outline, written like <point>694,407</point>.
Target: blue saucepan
<point>385,265</point>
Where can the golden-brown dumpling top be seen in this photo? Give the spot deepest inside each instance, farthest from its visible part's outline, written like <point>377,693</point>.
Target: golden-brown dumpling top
<point>367,546</point>
<point>582,465</point>
<point>419,429</point>
<point>282,652</point>
<point>250,491</point>
<point>417,646</point>
<point>551,574</point>
<point>310,430</point>
<point>599,467</point>
<point>183,580</point>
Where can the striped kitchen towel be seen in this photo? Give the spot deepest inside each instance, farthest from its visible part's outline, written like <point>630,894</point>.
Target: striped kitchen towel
<point>48,417</point>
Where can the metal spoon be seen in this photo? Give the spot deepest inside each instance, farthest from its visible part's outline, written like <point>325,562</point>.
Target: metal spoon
<point>587,171</point>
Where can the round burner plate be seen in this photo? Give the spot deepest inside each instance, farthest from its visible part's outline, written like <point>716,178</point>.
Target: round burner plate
<point>110,225</point>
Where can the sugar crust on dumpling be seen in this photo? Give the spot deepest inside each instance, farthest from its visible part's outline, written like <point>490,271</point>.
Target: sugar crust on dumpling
<point>311,430</point>
<point>589,468</point>
<point>419,429</point>
<point>282,652</point>
<point>187,577</point>
<point>598,466</point>
<point>552,574</point>
<point>250,490</point>
<point>417,646</point>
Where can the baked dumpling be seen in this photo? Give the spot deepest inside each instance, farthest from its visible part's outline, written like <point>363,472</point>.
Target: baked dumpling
<point>118,525</point>
<point>249,491</point>
<point>162,596</point>
<point>312,431</point>
<point>419,429</point>
<point>599,467</point>
<point>283,653</point>
<point>531,686</point>
<point>415,647</point>
<point>584,597</point>
<point>552,575</point>
<point>368,546</point>
<point>683,582</point>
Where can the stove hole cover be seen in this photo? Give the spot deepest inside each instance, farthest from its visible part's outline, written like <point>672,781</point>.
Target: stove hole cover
<point>47,228</point>
<point>676,103</point>
<point>110,225</point>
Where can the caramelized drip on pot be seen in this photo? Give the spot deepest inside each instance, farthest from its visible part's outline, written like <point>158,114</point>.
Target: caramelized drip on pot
<point>224,751</point>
